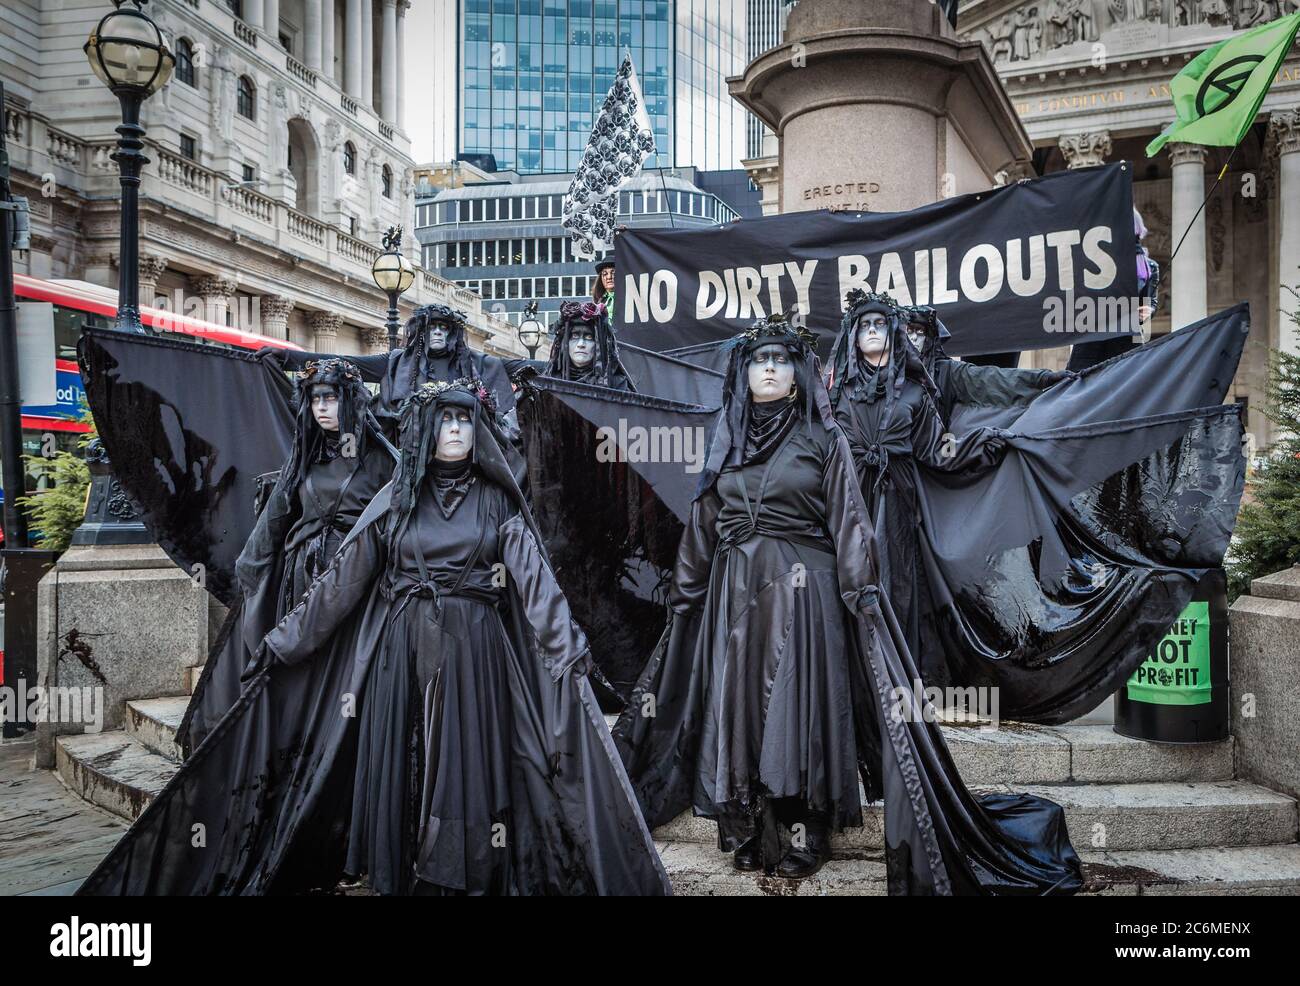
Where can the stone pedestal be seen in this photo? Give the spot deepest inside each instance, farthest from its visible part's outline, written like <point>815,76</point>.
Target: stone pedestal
<point>880,108</point>
<point>1265,682</point>
<point>116,622</point>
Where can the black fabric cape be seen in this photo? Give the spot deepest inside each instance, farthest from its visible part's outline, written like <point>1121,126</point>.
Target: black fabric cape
<point>939,838</point>
<point>269,790</point>
<point>1127,479</point>
<point>188,429</point>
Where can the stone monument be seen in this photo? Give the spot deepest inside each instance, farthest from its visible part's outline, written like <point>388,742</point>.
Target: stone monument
<point>879,107</point>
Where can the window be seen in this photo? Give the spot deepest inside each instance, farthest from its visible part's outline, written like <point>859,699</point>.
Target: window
<point>185,61</point>
<point>386,182</point>
<point>244,100</point>
<point>236,7</point>
<point>189,149</point>
<point>352,226</point>
<point>250,174</point>
<point>349,157</point>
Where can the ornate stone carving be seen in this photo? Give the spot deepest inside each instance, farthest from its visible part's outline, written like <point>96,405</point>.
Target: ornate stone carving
<point>1085,149</point>
<point>1180,153</point>
<point>275,309</point>
<point>375,338</point>
<point>151,267</point>
<point>325,330</point>
<point>1217,231</point>
<point>1284,129</point>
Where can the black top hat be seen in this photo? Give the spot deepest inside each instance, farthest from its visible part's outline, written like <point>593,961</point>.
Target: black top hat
<point>601,265</point>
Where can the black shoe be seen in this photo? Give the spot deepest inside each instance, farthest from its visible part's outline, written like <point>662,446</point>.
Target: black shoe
<point>801,863</point>
<point>749,856</point>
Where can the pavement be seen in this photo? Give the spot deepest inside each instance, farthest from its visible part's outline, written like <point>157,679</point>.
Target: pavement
<point>50,839</point>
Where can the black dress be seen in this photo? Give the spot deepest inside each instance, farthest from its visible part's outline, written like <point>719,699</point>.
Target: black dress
<point>771,682</point>
<point>774,641</point>
<point>463,782</point>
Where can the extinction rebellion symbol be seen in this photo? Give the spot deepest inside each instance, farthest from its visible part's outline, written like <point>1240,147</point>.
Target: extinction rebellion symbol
<point>1226,81</point>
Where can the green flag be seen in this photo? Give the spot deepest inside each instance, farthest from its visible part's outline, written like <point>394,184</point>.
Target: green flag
<point>1218,94</point>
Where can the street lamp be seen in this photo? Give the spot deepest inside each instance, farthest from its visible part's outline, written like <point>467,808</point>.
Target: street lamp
<point>130,56</point>
<point>394,274</point>
<point>531,330</point>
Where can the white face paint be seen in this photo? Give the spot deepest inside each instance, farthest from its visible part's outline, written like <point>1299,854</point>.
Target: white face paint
<point>771,373</point>
<point>437,337</point>
<point>455,434</point>
<point>916,336</point>
<point>607,278</point>
<point>582,346</point>
<point>873,337</point>
<point>325,406</point>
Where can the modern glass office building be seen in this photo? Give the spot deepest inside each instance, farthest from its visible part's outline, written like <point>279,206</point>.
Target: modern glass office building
<point>522,80</point>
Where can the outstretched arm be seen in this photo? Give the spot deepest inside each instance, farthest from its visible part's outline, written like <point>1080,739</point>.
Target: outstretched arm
<point>940,450</point>
<point>372,367</point>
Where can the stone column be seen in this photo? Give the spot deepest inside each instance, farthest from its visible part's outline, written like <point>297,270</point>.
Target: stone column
<point>253,13</point>
<point>388,55</point>
<point>367,53</point>
<point>325,331</point>
<point>275,315</point>
<point>1284,127</point>
<point>1086,149</point>
<point>311,34</point>
<point>1188,294</point>
<point>327,38</point>
<point>402,6</point>
<point>375,339</point>
<point>215,291</point>
<point>352,64</point>
<point>271,19</point>
<point>938,114</point>
<point>151,267</point>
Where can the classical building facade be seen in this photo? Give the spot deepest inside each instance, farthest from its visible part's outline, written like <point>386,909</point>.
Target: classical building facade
<point>277,159</point>
<point>1090,82</point>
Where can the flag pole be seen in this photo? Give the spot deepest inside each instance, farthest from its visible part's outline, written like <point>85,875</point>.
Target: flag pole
<point>1209,195</point>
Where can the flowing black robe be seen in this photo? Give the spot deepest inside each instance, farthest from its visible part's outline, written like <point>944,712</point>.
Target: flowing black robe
<point>468,734</point>
<point>781,672</point>
<point>889,437</point>
<point>271,788</point>
<point>296,536</point>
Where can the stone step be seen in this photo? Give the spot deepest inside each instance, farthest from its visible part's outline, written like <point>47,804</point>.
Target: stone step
<point>1017,753</point>
<point>1176,815</point>
<point>113,770</point>
<point>700,870</point>
<point>153,721</point>
<point>192,676</point>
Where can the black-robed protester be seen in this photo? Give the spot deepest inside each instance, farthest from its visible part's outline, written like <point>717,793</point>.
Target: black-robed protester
<point>338,461</point>
<point>782,674</point>
<point>887,405</point>
<point>435,350</point>
<point>966,384</point>
<point>445,740</point>
<point>583,348</point>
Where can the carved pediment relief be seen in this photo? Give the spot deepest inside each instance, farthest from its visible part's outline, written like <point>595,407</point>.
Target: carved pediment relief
<point>1042,30</point>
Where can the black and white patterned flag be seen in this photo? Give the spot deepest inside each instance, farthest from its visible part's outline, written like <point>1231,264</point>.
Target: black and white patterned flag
<point>620,142</point>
